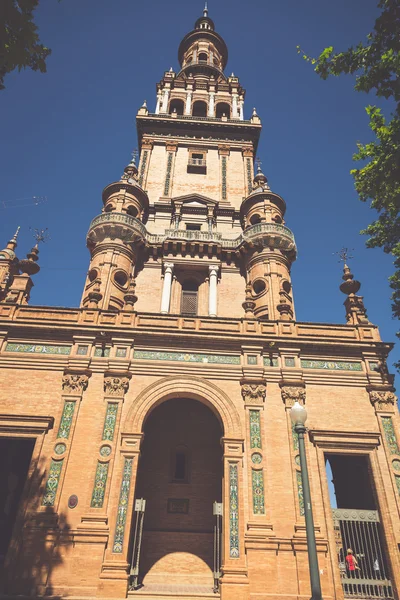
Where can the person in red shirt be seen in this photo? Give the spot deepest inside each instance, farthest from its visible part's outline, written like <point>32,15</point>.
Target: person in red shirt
<point>351,563</point>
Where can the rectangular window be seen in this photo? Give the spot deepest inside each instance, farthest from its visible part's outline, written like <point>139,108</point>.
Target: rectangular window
<point>193,227</point>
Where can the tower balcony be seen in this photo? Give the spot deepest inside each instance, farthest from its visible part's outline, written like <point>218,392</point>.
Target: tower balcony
<point>270,235</point>
<point>116,225</point>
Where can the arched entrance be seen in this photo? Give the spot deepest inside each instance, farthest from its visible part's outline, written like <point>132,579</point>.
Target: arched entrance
<point>180,477</point>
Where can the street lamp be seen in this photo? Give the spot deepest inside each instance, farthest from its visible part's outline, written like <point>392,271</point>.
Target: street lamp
<point>298,415</point>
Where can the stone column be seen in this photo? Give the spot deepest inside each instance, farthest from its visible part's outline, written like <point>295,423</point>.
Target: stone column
<point>188,107</point>
<point>211,105</point>
<point>212,296</point>
<point>166,292</point>
<point>234,106</point>
<point>164,108</point>
<point>158,103</point>
<point>241,106</point>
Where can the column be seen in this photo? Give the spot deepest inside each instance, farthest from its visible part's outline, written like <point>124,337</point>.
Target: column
<point>188,107</point>
<point>211,105</point>
<point>234,106</point>
<point>241,105</point>
<point>212,297</point>
<point>166,292</point>
<point>164,108</point>
<point>158,103</point>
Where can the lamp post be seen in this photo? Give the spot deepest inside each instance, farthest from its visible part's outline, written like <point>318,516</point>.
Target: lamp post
<point>298,415</point>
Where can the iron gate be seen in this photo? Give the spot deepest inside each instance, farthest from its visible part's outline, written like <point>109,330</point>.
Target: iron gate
<point>358,533</point>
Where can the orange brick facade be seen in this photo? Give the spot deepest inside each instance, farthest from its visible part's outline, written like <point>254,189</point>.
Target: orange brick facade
<point>174,379</point>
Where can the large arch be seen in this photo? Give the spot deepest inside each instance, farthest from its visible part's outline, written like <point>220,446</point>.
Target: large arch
<point>196,388</point>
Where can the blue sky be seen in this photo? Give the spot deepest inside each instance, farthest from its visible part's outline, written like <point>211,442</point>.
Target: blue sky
<point>68,133</point>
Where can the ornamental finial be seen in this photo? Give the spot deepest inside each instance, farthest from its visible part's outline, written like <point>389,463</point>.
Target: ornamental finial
<point>259,163</point>
<point>344,255</point>
<point>205,11</point>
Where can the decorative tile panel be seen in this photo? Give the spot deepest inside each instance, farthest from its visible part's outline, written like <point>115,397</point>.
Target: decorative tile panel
<point>60,448</point>
<point>223,171</point>
<point>300,492</point>
<point>120,353</point>
<point>145,156</point>
<point>255,429</point>
<point>390,435</point>
<point>396,465</point>
<point>99,352</point>
<point>52,482</point>
<point>331,365</point>
<point>168,174</point>
<point>295,438</point>
<point>100,482</point>
<point>257,481</point>
<point>270,362</point>
<point>256,458</point>
<point>66,420</point>
<point>38,348</point>
<point>105,451</point>
<point>251,360</point>
<point>233,512</point>
<point>110,421</point>
<point>249,177</point>
<point>82,350</point>
<point>289,361</point>
<point>186,357</point>
<point>397,478</point>
<point>123,506</point>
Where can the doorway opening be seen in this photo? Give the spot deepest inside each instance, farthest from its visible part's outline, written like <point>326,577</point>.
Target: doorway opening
<point>16,456</point>
<point>360,544</point>
<point>180,479</point>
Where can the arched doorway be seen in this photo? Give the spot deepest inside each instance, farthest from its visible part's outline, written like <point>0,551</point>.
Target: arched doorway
<point>180,477</point>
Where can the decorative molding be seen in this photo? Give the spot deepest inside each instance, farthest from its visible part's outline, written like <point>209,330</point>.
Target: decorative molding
<point>100,482</point>
<point>116,386</point>
<point>38,348</point>
<point>345,440</point>
<point>27,425</point>
<point>74,383</point>
<point>331,365</point>
<point>382,400</point>
<point>254,393</point>
<point>52,482</point>
<point>186,357</point>
<point>257,483</point>
<point>291,394</point>
<point>123,506</point>
<point>233,511</point>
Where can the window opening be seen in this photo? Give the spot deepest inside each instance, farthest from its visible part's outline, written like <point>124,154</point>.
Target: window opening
<point>223,110</point>
<point>199,109</point>
<point>360,545</point>
<point>193,227</point>
<point>176,106</point>
<point>190,291</point>
<point>203,57</point>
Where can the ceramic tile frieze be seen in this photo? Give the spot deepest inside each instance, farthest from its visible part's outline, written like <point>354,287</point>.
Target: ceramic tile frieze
<point>249,177</point>
<point>110,421</point>
<point>52,482</point>
<point>168,174</point>
<point>123,506</point>
<point>331,365</point>
<point>390,435</point>
<point>223,172</point>
<point>397,479</point>
<point>233,512</point>
<point>270,362</point>
<point>143,166</point>
<point>255,429</point>
<point>38,348</point>
<point>186,357</point>
<point>257,481</point>
<point>295,438</point>
<point>300,492</point>
<point>66,420</point>
<point>100,482</point>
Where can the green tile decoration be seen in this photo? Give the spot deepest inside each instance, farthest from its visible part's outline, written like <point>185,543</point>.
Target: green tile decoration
<point>396,465</point>
<point>390,435</point>
<point>100,482</point>
<point>121,353</point>
<point>255,429</point>
<point>110,421</point>
<point>52,482</point>
<point>257,481</point>
<point>60,448</point>
<point>143,166</point>
<point>217,359</point>
<point>295,438</point>
<point>331,365</point>
<point>300,492</point>
<point>297,460</point>
<point>270,362</point>
<point>66,420</point>
<point>38,348</point>
<point>256,458</point>
<point>168,174</point>
<point>251,360</point>
<point>82,350</point>
<point>249,177</point>
<point>397,478</point>
<point>105,451</point>
<point>233,512</point>
<point>99,352</point>
<point>289,361</point>
<point>123,506</point>
<point>223,171</point>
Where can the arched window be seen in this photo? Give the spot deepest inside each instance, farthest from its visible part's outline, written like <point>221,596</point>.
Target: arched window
<point>199,109</point>
<point>180,464</point>
<point>254,219</point>
<point>176,105</point>
<point>223,110</point>
<point>190,291</point>
<point>203,57</point>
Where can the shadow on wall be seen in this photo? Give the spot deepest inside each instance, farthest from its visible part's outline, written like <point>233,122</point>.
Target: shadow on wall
<point>38,543</point>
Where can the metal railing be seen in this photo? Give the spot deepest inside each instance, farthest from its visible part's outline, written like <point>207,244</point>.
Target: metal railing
<point>238,120</point>
<point>362,561</point>
<point>197,162</point>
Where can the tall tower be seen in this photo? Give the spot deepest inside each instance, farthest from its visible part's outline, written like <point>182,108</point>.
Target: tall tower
<point>192,229</point>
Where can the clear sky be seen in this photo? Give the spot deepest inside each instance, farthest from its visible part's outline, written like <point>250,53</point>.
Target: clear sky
<point>68,133</point>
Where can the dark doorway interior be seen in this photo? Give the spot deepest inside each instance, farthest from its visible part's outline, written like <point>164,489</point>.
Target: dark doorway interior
<point>16,456</point>
<point>351,481</point>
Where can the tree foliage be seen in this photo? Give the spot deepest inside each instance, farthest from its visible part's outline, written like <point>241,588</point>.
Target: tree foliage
<point>376,66</point>
<point>20,45</point>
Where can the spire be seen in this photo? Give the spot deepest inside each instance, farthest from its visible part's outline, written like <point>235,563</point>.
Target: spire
<point>356,313</point>
<point>131,172</point>
<point>205,11</point>
<point>260,179</point>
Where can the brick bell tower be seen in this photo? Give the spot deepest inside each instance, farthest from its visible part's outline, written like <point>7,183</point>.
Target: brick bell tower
<point>192,230</point>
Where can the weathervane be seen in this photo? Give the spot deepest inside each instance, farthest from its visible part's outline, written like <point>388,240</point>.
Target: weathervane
<point>258,161</point>
<point>344,254</point>
<point>40,235</point>
<point>134,155</point>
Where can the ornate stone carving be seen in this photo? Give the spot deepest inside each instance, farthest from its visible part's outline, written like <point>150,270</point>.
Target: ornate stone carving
<point>292,394</point>
<point>74,383</point>
<point>254,393</point>
<point>116,386</point>
<point>382,400</point>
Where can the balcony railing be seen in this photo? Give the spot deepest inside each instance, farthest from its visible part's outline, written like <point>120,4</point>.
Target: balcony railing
<point>197,162</point>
